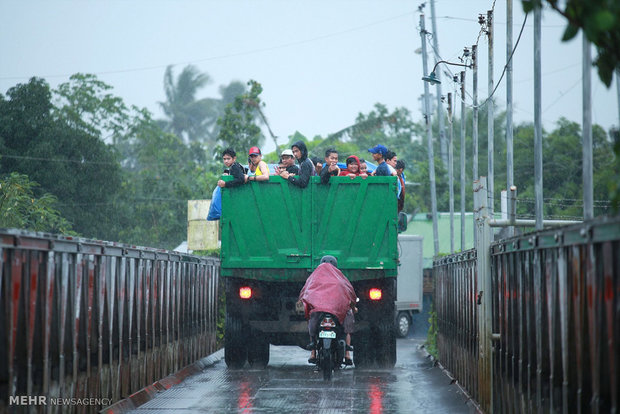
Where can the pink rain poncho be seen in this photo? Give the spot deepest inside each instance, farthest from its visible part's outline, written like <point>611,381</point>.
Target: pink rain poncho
<point>327,290</point>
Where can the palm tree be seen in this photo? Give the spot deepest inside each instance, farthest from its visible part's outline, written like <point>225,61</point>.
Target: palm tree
<point>188,118</point>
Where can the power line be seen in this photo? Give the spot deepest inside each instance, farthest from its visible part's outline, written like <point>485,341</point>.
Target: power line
<point>509,60</point>
<point>495,21</point>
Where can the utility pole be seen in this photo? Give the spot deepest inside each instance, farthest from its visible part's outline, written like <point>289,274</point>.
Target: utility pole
<point>509,131</point>
<point>490,109</point>
<point>538,158</point>
<point>474,133</point>
<point>429,138</point>
<point>442,133</point>
<point>618,88</point>
<point>463,115</point>
<point>588,192</point>
<point>451,171</point>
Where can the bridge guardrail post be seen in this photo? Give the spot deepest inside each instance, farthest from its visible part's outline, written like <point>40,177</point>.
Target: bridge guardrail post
<point>483,296</point>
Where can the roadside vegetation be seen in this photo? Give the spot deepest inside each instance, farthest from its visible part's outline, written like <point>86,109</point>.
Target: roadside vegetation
<point>79,160</point>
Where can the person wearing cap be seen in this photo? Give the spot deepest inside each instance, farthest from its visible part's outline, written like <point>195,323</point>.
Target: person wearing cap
<point>287,160</point>
<point>379,153</point>
<point>259,171</point>
<point>306,168</point>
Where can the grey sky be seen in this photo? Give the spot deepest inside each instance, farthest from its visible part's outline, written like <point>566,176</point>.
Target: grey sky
<point>320,62</point>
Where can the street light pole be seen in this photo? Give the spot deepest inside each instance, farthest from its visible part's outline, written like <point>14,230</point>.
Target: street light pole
<point>432,79</point>
<point>618,89</point>
<point>509,130</point>
<point>440,122</point>
<point>490,110</point>
<point>588,192</point>
<point>463,116</point>
<point>538,156</point>
<point>451,170</point>
<point>429,138</point>
<point>474,132</point>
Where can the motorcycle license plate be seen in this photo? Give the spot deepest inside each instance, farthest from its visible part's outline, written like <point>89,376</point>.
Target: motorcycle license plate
<point>327,334</point>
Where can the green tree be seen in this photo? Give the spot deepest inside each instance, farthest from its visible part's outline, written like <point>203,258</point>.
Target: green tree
<point>600,21</point>
<point>20,208</point>
<point>239,126</point>
<point>164,173</point>
<point>67,159</point>
<point>85,104</point>
<point>187,117</point>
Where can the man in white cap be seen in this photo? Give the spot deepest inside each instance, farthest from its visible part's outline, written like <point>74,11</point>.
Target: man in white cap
<point>287,162</point>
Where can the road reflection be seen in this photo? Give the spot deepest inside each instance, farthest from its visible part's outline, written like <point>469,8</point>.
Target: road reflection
<point>244,402</point>
<point>375,395</point>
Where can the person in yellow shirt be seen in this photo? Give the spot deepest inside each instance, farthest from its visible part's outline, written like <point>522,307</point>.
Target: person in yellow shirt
<point>258,169</point>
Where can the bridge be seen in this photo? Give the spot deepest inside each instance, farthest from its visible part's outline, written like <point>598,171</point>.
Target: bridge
<point>525,324</point>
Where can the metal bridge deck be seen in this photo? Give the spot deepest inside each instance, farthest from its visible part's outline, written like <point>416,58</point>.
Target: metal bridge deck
<point>289,384</point>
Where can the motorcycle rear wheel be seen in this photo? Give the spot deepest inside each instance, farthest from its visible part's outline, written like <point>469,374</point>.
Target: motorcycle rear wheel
<point>326,364</point>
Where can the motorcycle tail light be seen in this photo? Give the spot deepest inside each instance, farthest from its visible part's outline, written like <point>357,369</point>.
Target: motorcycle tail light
<point>375,294</point>
<point>245,292</point>
<point>328,323</point>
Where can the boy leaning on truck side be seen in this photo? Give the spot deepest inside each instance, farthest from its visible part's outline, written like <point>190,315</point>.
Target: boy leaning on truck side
<point>229,157</point>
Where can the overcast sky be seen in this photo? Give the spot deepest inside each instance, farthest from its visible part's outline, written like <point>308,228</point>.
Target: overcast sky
<point>320,62</point>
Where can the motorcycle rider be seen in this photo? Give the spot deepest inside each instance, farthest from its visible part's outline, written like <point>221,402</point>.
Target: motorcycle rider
<point>349,300</point>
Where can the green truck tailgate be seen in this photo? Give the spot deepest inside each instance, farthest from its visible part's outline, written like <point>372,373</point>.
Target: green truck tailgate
<point>275,231</point>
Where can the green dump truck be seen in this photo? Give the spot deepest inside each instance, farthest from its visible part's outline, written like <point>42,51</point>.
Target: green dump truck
<point>274,235</point>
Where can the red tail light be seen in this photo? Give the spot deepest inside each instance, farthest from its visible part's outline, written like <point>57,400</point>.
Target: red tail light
<point>245,292</point>
<point>328,323</point>
<point>375,294</point>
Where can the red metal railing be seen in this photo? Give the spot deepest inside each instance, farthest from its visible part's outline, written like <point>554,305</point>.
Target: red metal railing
<point>457,317</point>
<point>556,309</point>
<point>91,319</point>
<point>555,320</point>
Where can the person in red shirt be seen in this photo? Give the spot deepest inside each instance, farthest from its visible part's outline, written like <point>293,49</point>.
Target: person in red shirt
<point>353,168</point>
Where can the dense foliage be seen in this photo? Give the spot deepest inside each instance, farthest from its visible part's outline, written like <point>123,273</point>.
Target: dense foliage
<point>21,209</point>
<point>599,20</point>
<point>76,158</point>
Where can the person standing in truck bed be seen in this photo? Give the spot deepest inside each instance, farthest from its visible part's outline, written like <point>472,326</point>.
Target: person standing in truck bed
<point>330,168</point>
<point>306,168</point>
<point>379,153</point>
<point>259,171</point>
<point>287,159</point>
<point>353,168</point>
<point>229,156</point>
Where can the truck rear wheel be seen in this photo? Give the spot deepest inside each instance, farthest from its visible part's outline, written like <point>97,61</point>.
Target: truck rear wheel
<point>386,351</point>
<point>258,351</point>
<point>362,349</point>
<point>235,349</point>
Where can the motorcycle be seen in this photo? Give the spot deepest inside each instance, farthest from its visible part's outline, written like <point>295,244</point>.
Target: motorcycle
<point>330,345</point>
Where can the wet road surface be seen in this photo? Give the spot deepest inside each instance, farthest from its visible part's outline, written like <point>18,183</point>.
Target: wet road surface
<point>290,384</point>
